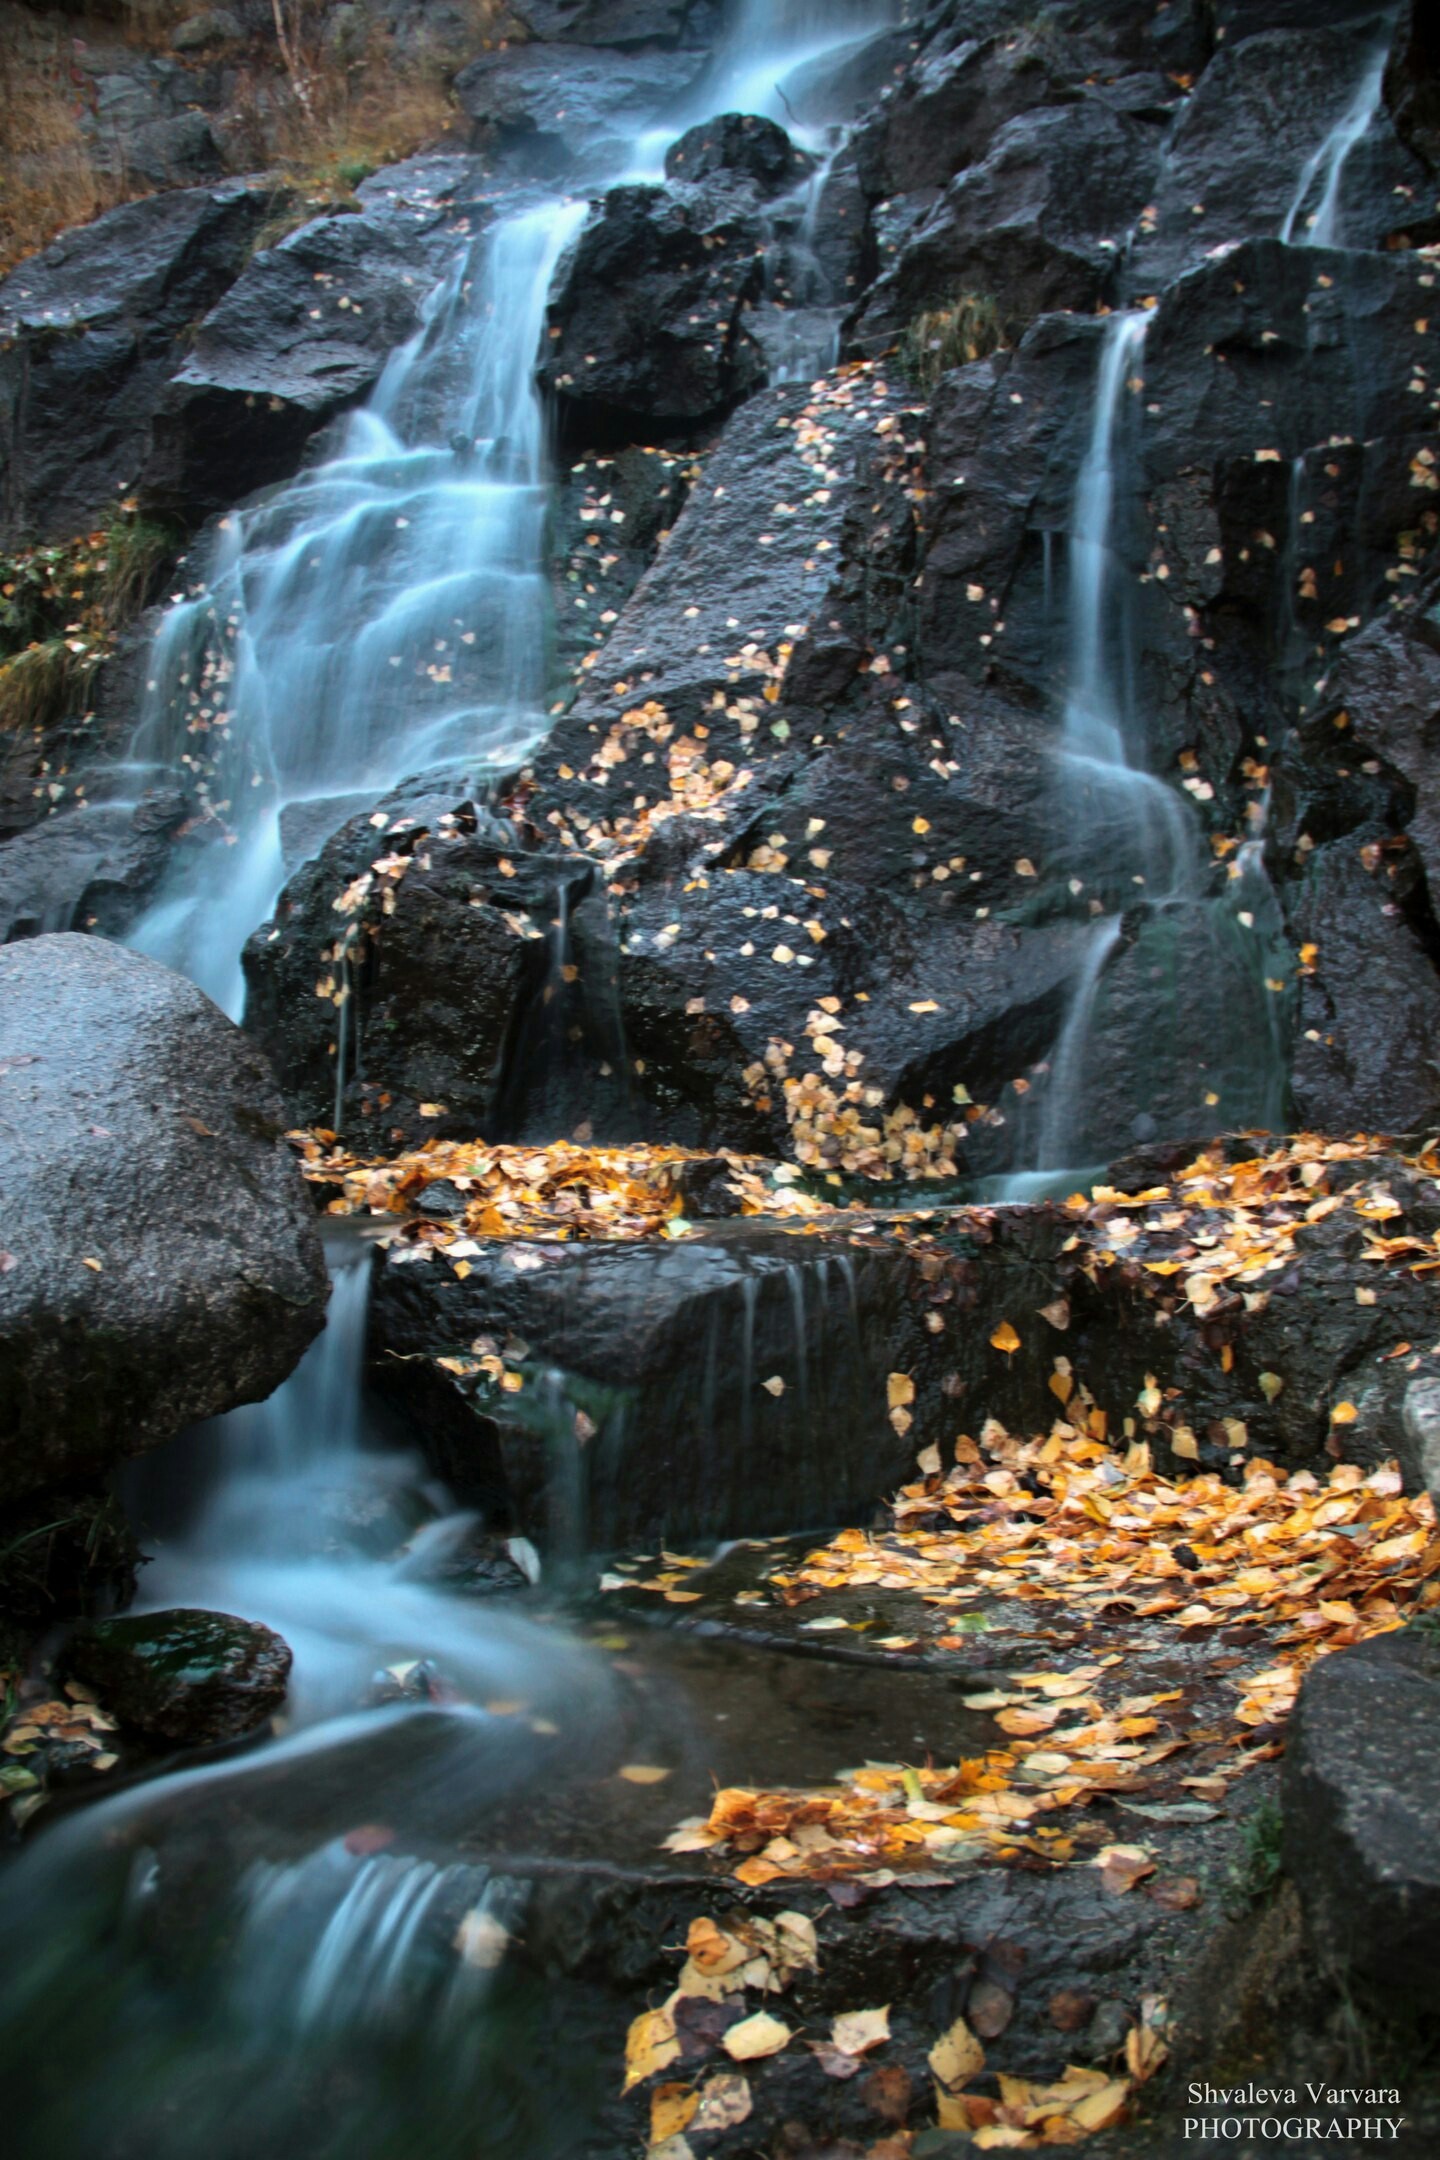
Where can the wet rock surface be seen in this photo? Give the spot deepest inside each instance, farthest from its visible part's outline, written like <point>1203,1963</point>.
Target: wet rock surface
<point>91,331</point>
<point>194,1677</point>
<point>711,1388</point>
<point>1360,1815</point>
<point>182,1273</point>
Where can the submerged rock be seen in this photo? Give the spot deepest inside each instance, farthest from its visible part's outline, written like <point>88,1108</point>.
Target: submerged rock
<point>195,1677</point>
<point>160,1258</point>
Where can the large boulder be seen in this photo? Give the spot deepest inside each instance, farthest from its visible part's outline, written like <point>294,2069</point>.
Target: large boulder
<point>160,1259</point>
<point>550,112</point>
<point>723,1386</point>
<point>616,22</point>
<point>1362,1816</point>
<point>1040,224</point>
<point>646,322</point>
<point>304,332</point>
<point>90,331</point>
<point>195,1677</point>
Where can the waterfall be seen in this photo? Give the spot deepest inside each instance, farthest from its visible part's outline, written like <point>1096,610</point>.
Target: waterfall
<point>1133,854</point>
<point>381,615</point>
<point>1327,165</point>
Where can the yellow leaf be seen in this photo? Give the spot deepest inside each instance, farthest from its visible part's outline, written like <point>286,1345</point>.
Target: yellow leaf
<point>1344,1413</point>
<point>901,1390</point>
<point>650,2045</point>
<point>1098,2110</point>
<point>1184,1443</point>
<point>638,1773</point>
<point>857,2031</point>
<point>672,2109</point>
<point>755,2037</point>
<point>1271,1385</point>
<point>957,2056</point>
<point>1006,1339</point>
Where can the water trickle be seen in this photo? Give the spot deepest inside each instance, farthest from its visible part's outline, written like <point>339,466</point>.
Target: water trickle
<point>1326,168</point>
<point>384,614</point>
<point>795,1281</point>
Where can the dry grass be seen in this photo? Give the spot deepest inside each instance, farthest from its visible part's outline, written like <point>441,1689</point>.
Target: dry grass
<point>324,121</point>
<point>943,338</point>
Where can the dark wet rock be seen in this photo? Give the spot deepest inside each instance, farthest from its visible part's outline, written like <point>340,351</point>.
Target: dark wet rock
<point>547,111</point>
<point>90,330</point>
<point>178,1271</point>
<point>1367,1048</point>
<point>1412,81</point>
<point>615,22</point>
<point>646,316</point>
<point>949,106</point>
<point>195,1677</point>
<point>739,580</point>
<point>738,146</point>
<point>1361,1815</point>
<point>1382,701</point>
<point>1239,151</point>
<point>87,868</point>
<point>206,29</point>
<point>597,556</point>
<point>645,1412</point>
<point>1039,225</point>
<point>303,333</point>
<point>454,1015</point>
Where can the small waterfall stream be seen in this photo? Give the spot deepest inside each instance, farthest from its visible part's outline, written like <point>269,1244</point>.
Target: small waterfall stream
<point>1320,226</point>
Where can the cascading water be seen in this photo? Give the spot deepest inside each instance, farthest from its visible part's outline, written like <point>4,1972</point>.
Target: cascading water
<point>1319,226</point>
<point>1133,854</point>
<point>382,615</point>
<point>237,1958</point>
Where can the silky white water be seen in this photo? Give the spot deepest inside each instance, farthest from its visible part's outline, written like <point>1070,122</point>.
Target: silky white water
<point>1320,226</point>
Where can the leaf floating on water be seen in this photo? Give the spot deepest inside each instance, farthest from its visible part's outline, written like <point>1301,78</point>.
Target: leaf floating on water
<point>644,1774</point>
<point>1006,1339</point>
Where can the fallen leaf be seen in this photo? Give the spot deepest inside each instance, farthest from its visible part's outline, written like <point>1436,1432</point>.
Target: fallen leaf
<point>857,2031</point>
<point>1006,1339</point>
<point>724,2101</point>
<point>755,2037</point>
<point>957,2056</point>
<point>644,1774</point>
<point>672,2110</point>
<point>650,2045</point>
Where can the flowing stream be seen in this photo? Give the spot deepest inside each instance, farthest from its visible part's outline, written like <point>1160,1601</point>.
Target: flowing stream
<point>1134,842</point>
<point>285,1950</point>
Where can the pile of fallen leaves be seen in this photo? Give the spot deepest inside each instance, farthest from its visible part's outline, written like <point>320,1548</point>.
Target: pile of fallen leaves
<point>1220,1227</point>
<point>562,1192</point>
<point>708,2029</point>
<point>59,1734</point>
<point>1290,1568</point>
